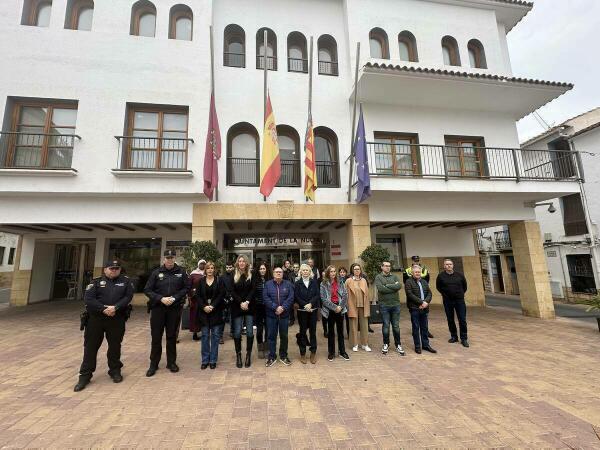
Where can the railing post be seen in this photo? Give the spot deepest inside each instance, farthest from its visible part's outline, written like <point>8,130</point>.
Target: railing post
<point>579,166</point>
<point>516,162</point>
<point>445,163</point>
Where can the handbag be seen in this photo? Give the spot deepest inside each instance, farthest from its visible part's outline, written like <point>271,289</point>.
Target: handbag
<point>376,316</point>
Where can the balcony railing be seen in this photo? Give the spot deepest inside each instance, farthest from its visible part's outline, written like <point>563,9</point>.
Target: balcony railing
<point>290,173</point>
<point>298,65</point>
<point>447,161</point>
<point>502,240</point>
<point>327,174</point>
<point>152,154</point>
<point>36,150</point>
<point>328,68</point>
<point>243,171</point>
<point>271,62</point>
<point>234,59</point>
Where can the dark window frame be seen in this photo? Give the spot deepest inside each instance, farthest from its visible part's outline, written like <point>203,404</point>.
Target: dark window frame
<point>31,10</point>
<point>476,47</point>
<point>234,131</point>
<point>581,274</point>
<point>138,10</point>
<point>180,11</point>
<point>574,221</point>
<point>230,33</point>
<point>478,144</point>
<point>411,43</point>
<point>379,34</point>
<point>450,44</point>
<point>271,43</point>
<point>414,144</point>
<point>11,256</point>
<point>290,168</point>
<point>297,39</point>
<point>74,10</point>
<point>328,68</point>
<point>329,135</point>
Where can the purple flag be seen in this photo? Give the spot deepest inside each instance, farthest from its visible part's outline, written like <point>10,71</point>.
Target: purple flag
<point>363,189</point>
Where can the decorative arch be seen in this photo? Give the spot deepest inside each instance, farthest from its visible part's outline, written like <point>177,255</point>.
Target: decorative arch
<point>143,19</point>
<point>181,23</point>
<point>477,54</point>
<point>408,47</point>
<point>243,155</point>
<point>450,51</point>
<point>379,44</point>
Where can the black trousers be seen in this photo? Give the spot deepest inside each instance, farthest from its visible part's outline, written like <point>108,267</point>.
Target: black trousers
<point>335,321</point>
<point>307,322</point>
<point>260,320</point>
<point>461,312</point>
<point>164,319</point>
<point>97,327</point>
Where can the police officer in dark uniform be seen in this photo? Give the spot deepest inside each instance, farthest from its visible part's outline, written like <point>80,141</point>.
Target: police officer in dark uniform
<point>166,290</point>
<point>107,300</point>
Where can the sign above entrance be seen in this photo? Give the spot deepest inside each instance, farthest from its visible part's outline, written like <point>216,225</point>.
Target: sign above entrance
<point>275,241</point>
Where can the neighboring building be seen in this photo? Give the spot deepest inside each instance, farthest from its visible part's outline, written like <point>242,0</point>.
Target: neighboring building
<point>571,247</point>
<point>105,108</point>
<point>8,250</point>
<point>498,266</point>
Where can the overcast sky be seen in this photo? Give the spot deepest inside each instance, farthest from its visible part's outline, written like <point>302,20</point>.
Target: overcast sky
<point>558,41</point>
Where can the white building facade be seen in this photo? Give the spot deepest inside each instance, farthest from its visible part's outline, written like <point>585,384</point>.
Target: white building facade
<point>105,109</point>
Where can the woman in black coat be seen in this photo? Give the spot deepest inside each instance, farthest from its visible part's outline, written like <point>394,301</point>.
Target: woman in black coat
<point>261,275</point>
<point>242,309</point>
<point>210,296</point>
<point>307,295</point>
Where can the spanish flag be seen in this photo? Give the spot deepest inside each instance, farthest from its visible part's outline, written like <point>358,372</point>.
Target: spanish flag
<point>270,165</point>
<point>310,173</point>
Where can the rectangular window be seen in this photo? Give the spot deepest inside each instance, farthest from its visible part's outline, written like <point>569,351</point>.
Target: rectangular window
<point>465,156</point>
<point>138,257</point>
<point>581,274</point>
<point>42,135</point>
<point>573,215</point>
<point>393,244</point>
<point>157,138</point>
<point>396,154</point>
<point>2,251</point>
<point>11,256</point>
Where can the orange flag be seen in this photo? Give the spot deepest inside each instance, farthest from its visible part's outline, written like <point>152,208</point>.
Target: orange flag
<point>310,173</point>
<point>270,164</point>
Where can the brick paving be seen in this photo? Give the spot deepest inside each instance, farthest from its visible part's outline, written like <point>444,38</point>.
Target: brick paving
<point>523,383</point>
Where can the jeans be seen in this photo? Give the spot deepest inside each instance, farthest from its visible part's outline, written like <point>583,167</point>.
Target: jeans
<point>260,322</point>
<point>390,314</point>
<point>420,327</point>
<point>237,326</point>
<point>461,312</point>
<point>210,344</point>
<point>276,325</point>
<point>307,322</point>
<point>335,321</point>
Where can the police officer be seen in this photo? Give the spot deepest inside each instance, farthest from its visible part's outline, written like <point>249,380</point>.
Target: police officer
<point>166,290</point>
<point>107,300</point>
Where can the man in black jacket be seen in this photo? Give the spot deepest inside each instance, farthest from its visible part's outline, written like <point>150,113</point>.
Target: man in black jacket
<point>418,297</point>
<point>166,290</point>
<point>107,299</point>
<point>453,285</point>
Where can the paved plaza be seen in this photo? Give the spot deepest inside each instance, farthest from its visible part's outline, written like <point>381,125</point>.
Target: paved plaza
<point>523,383</point>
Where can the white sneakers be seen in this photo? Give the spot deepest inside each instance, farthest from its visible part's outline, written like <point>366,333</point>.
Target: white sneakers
<point>355,348</point>
<point>385,349</point>
<point>400,350</point>
<point>366,348</point>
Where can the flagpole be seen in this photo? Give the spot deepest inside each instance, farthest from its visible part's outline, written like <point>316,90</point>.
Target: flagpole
<point>212,92</point>
<point>310,81</point>
<point>353,122</point>
<point>265,87</point>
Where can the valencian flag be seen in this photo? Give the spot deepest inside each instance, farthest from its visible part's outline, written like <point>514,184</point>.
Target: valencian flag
<point>310,173</point>
<point>363,189</point>
<point>212,153</point>
<point>270,164</point>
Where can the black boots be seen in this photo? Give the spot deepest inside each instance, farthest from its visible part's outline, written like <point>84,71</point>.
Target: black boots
<point>249,345</point>
<point>81,384</point>
<point>238,352</point>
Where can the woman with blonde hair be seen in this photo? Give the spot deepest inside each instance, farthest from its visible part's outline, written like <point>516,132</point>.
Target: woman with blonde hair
<point>242,309</point>
<point>306,293</point>
<point>334,301</point>
<point>359,308</point>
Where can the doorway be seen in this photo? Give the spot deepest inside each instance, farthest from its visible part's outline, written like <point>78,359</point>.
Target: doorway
<point>510,262</point>
<point>73,270</point>
<point>496,272</point>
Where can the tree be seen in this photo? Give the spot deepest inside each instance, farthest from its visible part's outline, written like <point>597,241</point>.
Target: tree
<point>206,250</point>
<point>372,257</point>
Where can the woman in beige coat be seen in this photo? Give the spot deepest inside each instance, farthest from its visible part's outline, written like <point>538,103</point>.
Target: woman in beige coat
<point>359,308</point>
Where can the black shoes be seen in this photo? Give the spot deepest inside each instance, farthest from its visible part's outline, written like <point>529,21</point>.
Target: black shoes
<point>452,340</point>
<point>418,350</point>
<point>345,356</point>
<point>371,330</point>
<point>213,365</point>
<point>286,361</point>
<point>465,343</point>
<point>248,361</point>
<point>238,360</point>
<point>203,366</point>
<point>173,367</point>
<point>429,335</point>
<point>270,362</point>
<point>117,377</point>
<point>430,349</point>
<point>195,337</point>
<point>151,371</point>
<point>330,357</point>
<point>81,384</point>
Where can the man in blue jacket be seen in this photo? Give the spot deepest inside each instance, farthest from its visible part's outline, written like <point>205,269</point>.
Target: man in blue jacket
<point>278,297</point>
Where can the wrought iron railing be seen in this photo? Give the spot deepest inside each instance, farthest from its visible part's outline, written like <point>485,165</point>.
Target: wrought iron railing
<point>327,174</point>
<point>502,240</point>
<point>328,68</point>
<point>36,150</point>
<point>243,171</point>
<point>234,59</point>
<point>271,62</point>
<point>290,173</point>
<point>151,153</point>
<point>448,161</point>
<point>298,65</point>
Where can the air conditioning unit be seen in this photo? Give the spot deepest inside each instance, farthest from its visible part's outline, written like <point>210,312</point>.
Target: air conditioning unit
<point>547,237</point>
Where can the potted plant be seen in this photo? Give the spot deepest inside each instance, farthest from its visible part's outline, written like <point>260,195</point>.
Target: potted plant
<point>593,304</point>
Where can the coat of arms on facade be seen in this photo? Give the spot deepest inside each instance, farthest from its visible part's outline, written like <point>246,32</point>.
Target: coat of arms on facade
<point>285,209</point>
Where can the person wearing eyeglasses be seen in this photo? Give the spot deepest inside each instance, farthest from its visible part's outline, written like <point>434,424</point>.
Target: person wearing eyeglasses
<point>106,301</point>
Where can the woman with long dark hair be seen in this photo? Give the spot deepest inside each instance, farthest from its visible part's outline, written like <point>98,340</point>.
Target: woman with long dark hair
<point>210,296</point>
<point>242,309</point>
<point>334,301</point>
<point>261,275</point>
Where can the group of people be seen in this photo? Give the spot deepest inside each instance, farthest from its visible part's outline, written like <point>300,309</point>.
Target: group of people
<point>265,299</point>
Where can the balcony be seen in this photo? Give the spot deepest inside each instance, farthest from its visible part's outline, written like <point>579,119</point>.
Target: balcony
<point>234,59</point>
<point>297,65</point>
<point>36,152</point>
<point>152,155</point>
<point>245,172</point>
<point>328,68</point>
<point>271,62</point>
<point>502,240</point>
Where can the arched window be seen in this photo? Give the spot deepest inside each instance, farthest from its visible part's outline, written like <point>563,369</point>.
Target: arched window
<point>297,53</point>
<point>477,54</point>
<point>378,42</point>
<point>243,163</point>
<point>271,49</point>
<point>450,51</point>
<point>328,57</point>
<point>326,149</point>
<point>80,14</point>
<point>36,13</point>
<point>289,155</point>
<point>408,47</point>
<point>143,19</point>
<point>234,46</point>
<point>181,23</point>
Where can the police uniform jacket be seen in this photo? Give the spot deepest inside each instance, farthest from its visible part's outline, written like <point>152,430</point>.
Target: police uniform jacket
<point>165,282</point>
<point>103,291</point>
<point>216,300</point>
